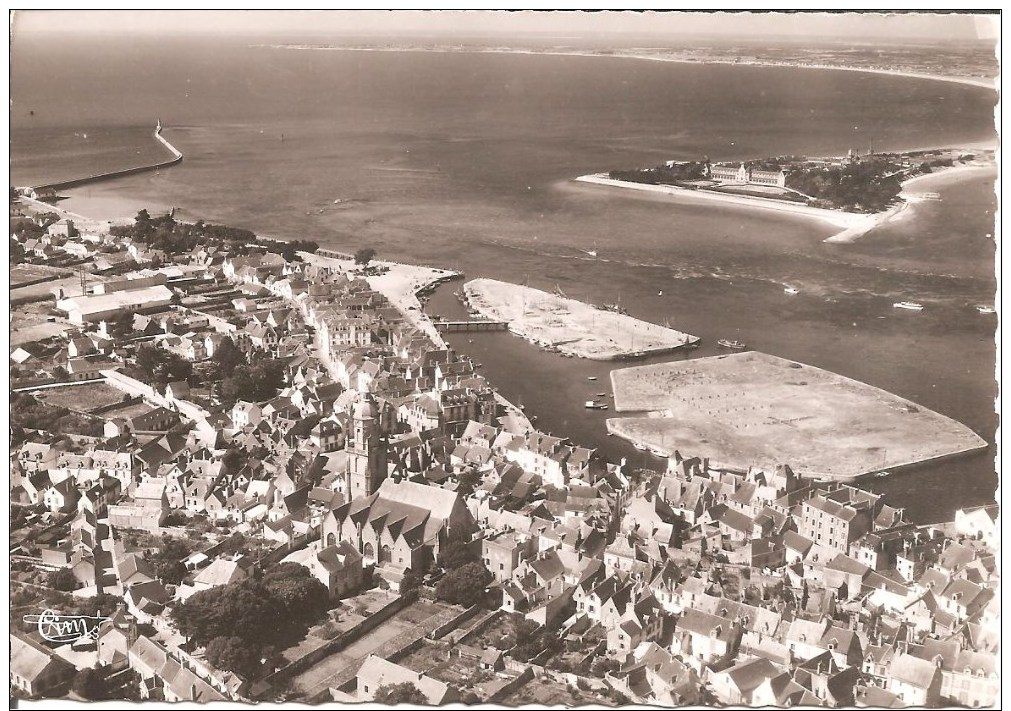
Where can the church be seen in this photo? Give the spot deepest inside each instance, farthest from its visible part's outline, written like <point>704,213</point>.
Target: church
<point>395,525</point>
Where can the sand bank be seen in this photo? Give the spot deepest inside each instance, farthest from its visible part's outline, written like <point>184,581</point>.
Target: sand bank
<point>756,409</point>
<point>571,326</point>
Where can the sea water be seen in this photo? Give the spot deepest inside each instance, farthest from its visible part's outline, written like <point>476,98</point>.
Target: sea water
<point>465,161</point>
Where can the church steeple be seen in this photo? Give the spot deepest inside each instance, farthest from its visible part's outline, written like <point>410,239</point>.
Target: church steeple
<point>366,449</point>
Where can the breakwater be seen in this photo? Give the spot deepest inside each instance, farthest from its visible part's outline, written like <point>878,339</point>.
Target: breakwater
<point>109,175</point>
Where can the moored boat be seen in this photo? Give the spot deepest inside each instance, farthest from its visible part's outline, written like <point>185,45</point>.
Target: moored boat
<point>733,345</point>
<point>983,309</point>
<point>791,291</point>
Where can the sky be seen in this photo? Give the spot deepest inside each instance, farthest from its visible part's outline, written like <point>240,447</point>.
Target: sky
<point>901,26</point>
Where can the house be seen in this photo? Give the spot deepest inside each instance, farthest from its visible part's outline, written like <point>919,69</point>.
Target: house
<point>246,413</point>
<point>916,682</point>
<point>165,678</point>
<point>837,518</point>
<point>747,683</point>
<point>147,511</point>
<point>61,497</point>
<point>35,670</point>
<point>376,672</point>
<point>177,390</point>
<point>338,567</point>
<point>703,638</point>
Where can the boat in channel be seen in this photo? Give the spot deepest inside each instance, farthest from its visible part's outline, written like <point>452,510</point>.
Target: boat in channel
<point>908,305</point>
<point>732,345</point>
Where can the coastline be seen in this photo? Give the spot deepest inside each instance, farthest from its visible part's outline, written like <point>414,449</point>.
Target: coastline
<point>990,84</point>
<point>854,225</point>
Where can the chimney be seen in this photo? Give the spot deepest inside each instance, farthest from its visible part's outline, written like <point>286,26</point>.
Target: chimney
<point>193,692</point>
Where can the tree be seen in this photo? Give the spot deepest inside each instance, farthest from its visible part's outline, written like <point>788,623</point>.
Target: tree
<point>167,559</point>
<point>259,381</point>
<point>89,684</point>
<point>228,356</point>
<point>365,255</point>
<point>467,482</point>
<point>402,693</point>
<point>457,553</point>
<point>464,585</point>
<point>411,581</point>
<point>302,596</point>
<point>62,579</point>
<point>233,654</point>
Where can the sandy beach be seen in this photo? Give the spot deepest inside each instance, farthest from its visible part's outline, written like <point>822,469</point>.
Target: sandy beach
<point>571,326</point>
<point>756,409</point>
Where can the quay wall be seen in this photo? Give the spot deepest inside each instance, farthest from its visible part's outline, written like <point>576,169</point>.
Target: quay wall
<point>109,175</point>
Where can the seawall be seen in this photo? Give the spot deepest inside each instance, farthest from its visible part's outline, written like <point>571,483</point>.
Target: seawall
<point>75,182</point>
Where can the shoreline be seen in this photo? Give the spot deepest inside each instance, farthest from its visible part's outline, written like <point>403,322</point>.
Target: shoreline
<point>854,224</point>
<point>965,81</point>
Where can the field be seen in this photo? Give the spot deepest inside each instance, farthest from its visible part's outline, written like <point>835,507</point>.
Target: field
<point>570,325</point>
<point>81,398</point>
<point>545,692</point>
<point>28,322</point>
<point>413,621</point>
<point>24,273</point>
<point>756,409</point>
<point>764,191</point>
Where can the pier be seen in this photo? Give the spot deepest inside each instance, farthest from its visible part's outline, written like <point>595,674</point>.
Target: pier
<point>76,182</point>
<point>476,325</point>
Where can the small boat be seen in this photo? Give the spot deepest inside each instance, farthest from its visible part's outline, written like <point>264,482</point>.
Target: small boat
<point>908,305</point>
<point>640,447</point>
<point>660,293</point>
<point>733,345</point>
<point>592,377</point>
<point>791,291</point>
<point>601,394</point>
<point>882,474</point>
<point>986,309</point>
<point>590,252</point>
<point>590,405</point>
<point>602,406</point>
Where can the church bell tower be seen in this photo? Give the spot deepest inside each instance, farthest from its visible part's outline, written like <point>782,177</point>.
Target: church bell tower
<point>366,449</point>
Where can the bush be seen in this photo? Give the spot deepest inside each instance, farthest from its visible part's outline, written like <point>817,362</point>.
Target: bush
<point>89,684</point>
<point>464,585</point>
<point>62,579</point>
<point>403,693</point>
